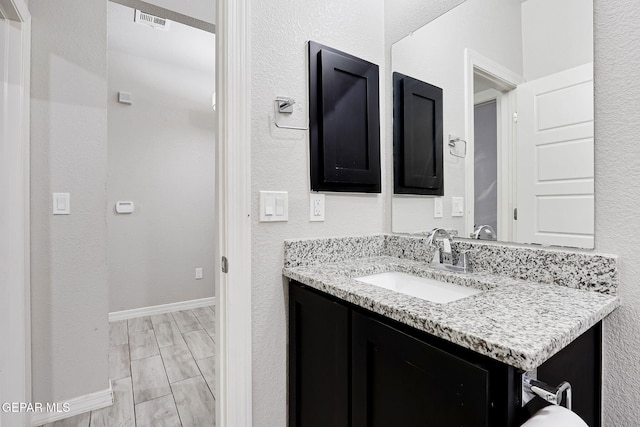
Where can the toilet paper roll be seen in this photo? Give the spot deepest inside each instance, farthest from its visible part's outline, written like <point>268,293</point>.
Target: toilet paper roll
<point>555,416</point>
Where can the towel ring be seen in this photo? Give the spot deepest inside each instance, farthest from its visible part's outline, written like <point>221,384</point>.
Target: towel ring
<point>453,144</point>
<point>283,105</point>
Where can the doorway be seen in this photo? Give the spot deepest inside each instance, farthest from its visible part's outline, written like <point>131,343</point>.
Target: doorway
<point>160,219</point>
<point>233,285</point>
<point>485,164</point>
<point>490,103</point>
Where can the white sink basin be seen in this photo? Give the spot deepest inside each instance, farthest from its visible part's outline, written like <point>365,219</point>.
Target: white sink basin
<point>420,287</point>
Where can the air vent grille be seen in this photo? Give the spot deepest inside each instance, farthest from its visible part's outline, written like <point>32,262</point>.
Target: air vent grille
<point>152,21</point>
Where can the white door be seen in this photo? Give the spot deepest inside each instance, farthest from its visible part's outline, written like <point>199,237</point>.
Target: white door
<point>555,159</point>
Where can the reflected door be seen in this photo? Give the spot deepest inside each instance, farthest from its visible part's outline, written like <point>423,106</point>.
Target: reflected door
<point>555,159</point>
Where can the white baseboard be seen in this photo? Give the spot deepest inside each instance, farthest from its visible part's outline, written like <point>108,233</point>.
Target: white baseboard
<point>159,309</point>
<point>77,405</point>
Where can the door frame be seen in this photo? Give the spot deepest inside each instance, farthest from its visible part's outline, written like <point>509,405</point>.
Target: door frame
<point>505,81</point>
<point>15,373</point>
<point>233,288</point>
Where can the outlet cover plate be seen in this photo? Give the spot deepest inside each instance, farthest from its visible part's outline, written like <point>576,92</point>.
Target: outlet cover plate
<point>316,207</point>
<point>457,206</point>
<point>437,207</point>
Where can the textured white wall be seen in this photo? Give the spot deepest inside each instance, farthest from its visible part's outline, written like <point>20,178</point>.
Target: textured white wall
<point>556,36</point>
<point>69,293</point>
<point>161,156</point>
<point>435,54</point>
<point>617,185</point>
<point>280,161</point>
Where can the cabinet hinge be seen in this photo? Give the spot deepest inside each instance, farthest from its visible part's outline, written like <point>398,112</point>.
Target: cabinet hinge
<point>225,265</point>
<point>515,117</point>
<point>515,214</point>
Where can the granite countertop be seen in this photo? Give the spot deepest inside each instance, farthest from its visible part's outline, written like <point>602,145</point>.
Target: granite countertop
<point>517,322</point>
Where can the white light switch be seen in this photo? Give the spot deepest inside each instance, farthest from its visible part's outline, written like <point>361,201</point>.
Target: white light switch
<point>124,207</point>
<point>269,205</point>
<point>437,207</point>
<point>316,207</point>
<point>279,206</point>
<point>457,206</point>
<point>61,203</point>
<point>274,206</point>
<point>199,274</point>
<point>124,98</point>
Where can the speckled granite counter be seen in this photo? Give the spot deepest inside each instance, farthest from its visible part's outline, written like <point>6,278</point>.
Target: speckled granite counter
<point>520,323</point>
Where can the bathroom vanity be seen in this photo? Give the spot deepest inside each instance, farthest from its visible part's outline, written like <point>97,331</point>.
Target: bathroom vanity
<point>363,355</point>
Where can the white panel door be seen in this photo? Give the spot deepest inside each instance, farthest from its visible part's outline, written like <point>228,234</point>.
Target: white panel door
<point>555,159</point>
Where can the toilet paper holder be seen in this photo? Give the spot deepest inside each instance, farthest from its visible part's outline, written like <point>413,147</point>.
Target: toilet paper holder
<point>552,395</point>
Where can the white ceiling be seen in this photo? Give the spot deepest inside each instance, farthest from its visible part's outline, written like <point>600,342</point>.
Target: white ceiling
<point>204,10</point>
<point>182,45</point>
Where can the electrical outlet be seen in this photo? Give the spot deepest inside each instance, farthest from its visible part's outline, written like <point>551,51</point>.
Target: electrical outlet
<point>316,207</point>
<point>457,206</point>
<point>199,274</point>
<point>437,207</point>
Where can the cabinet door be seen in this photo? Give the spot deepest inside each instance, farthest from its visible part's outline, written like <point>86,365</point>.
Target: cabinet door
<point>417,137</point>
<point>344,120</point>
<point>398,380</point>
<point>318,360</point>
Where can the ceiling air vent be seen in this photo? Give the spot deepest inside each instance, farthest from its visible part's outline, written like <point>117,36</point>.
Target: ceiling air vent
<point>152,21</point>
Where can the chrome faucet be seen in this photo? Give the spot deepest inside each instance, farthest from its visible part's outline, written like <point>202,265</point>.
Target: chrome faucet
<point>448,259</point>
<point>484,232</point>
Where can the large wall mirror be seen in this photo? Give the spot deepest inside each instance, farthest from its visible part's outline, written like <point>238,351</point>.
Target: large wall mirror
<point>517,83</point>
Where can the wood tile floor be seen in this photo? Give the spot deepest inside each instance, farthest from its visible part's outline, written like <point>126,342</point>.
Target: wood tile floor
<point>162,370</point>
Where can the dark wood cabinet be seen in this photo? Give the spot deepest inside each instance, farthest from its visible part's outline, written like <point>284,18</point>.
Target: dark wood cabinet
<point>580,363</point>
<point>352,367</point>
<point>318,360</point>
<point>417,137</point>
<point>400,380</point>
<point>344,121</point>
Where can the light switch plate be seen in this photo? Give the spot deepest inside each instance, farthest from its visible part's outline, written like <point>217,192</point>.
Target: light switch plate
<point>316,207</point>
<point>274,206</point>
<point>437,207</point>
<point>199,273</point>
<point>457,206</point>
<point>61,204</point>
<point>125,98</point>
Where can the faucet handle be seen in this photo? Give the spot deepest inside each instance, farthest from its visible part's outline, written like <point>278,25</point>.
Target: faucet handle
<point>436,256</point>
<point>464,261</point>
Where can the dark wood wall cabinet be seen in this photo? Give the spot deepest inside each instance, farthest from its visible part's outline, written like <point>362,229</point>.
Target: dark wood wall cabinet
<point>344,122</point>
<point>351,367</point>
<point>417,137</point>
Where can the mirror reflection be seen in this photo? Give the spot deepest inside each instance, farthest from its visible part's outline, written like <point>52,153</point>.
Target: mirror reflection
<point>517,84</point>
